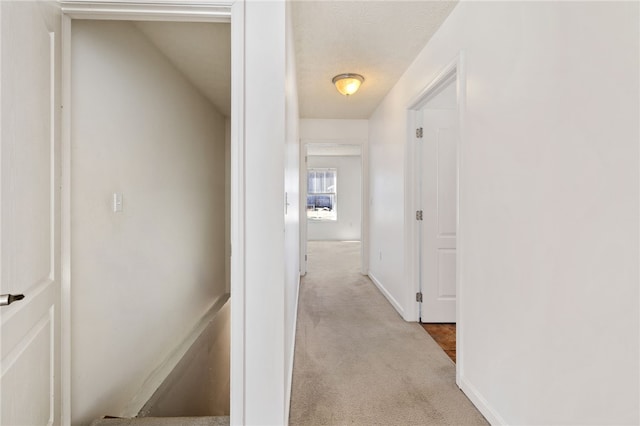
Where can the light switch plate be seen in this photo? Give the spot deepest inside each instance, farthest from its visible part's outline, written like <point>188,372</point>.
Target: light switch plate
<point>117,202</point>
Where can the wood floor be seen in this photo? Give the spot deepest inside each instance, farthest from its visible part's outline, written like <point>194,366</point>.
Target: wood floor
<point>445,336</point>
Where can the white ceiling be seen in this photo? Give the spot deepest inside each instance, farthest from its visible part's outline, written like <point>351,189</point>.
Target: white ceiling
<point>378,39</point>
<point>201,51</point>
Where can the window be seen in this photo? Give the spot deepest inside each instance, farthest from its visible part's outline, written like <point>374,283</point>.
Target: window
<point>321,194</point>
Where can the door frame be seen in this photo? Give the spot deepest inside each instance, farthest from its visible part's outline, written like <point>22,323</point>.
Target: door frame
<point>455,69</point>
<point>177,11</point>
<point>364,196</point>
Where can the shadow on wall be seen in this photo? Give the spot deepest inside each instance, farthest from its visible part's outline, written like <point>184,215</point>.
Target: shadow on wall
<point>199,384</point>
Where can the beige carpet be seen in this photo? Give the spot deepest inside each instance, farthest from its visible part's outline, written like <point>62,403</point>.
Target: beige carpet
<point>357,362</point>
<point>164,421</point>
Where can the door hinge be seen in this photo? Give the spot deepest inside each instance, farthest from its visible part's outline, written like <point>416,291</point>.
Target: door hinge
<point>419,133</point>
<point>305,257</point>
<point>418,214</point>
<point>419,297</point>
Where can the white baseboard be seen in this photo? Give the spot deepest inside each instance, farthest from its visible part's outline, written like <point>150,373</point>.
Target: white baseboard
<point>388,295</point>
<point>481,404</point>
<point>162,371</point>
<point>292,350</point>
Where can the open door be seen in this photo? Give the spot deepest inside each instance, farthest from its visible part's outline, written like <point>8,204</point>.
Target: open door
<point>437,141</point>
<point>29,200</point>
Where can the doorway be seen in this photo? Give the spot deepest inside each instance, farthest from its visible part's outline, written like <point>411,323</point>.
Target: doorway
<point>436,121</point>
<point>332,178</point>
<point>436,143</point>
<point>149,221</point>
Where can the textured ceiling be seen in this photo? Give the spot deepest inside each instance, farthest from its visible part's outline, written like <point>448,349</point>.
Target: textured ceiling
<point>201,51</point>
<point>378,39</point>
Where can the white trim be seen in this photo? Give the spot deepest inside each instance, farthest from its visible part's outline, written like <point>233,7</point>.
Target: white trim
<point>388,295</point>
<point>333,142</point>
<point>461,92</point>
<point>481,403</point>
<point>189,11</point>
<point>152,383</point>
<point>141,10</point>
<point>303,209</point>
<point>411,227</point>
<point>65,223</point>
<point>437,83</point>
<point>289,382</point>
<point>238,217</point>
<point>364,219</point>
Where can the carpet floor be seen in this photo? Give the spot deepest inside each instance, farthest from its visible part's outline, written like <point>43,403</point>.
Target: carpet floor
<point>164,421</point>
<point>357,362</point>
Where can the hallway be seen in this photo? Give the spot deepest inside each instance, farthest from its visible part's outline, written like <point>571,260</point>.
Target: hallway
<point>357,362</point>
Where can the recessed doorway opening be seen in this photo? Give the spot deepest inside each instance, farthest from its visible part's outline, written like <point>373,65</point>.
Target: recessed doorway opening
<point>435,120</point>
<point>332,179</point>
<point>149,218</point>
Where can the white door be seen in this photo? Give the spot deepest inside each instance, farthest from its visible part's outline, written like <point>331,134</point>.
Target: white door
<point>29,205</point>
<point>438,164</point>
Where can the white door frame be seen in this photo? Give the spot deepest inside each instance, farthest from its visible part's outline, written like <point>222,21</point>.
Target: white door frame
<point>412,196</point>
<point>364,203</point>
<point>303,208</point>
<point>159,10</point>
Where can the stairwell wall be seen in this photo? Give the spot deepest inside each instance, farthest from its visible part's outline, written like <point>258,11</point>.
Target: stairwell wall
<point>144,277</point>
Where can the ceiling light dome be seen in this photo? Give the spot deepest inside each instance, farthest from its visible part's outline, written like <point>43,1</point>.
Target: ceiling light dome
<point>348,83</point>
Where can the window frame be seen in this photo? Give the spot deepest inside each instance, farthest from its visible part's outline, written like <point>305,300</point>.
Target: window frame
<point>333,194</point>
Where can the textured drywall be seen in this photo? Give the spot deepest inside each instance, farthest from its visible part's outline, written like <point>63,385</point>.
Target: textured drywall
<point>377,39</point>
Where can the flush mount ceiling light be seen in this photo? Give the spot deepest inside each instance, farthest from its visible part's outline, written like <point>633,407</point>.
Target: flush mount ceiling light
<point>348,83</point>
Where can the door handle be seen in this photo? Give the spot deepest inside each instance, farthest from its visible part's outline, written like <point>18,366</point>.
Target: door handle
<point>7,299</point>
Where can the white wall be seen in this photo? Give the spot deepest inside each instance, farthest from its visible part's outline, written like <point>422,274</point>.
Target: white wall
<point>349,199</point>
<point>199,384</point>
<point>336,131</point>
<point>141,278</point>
<point>264,225</point>
<point>549,192</point>
<point>270,227</point>
<point>292,211</point>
